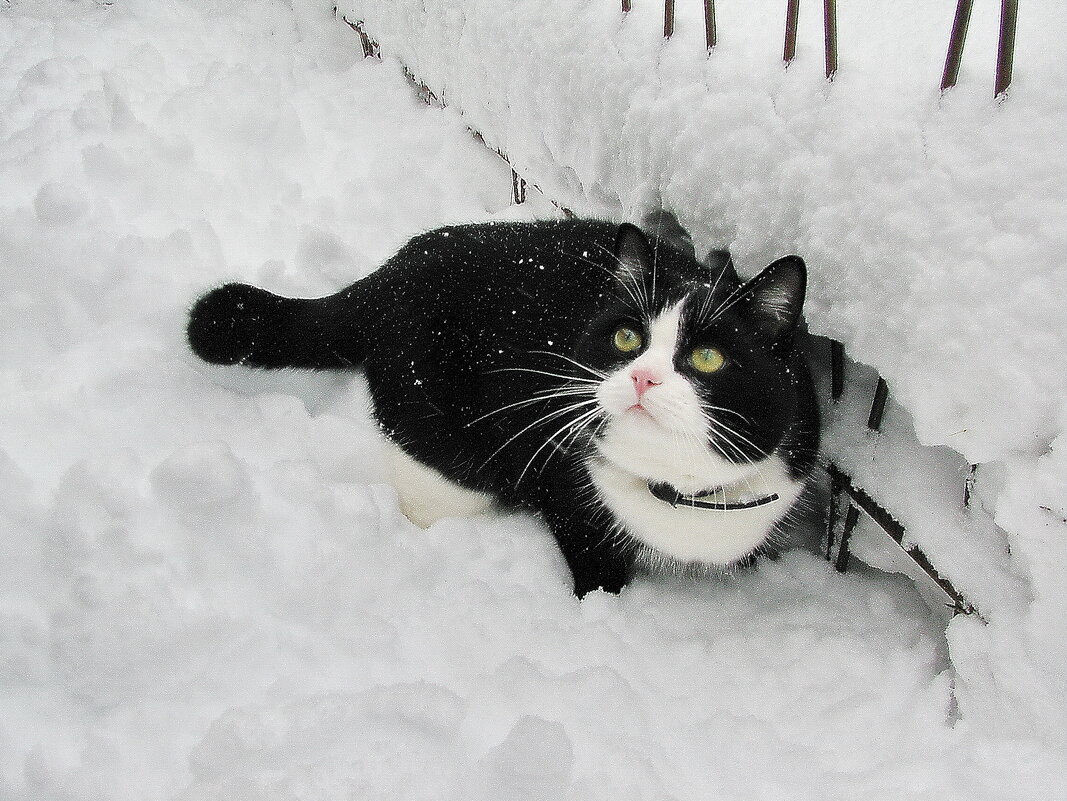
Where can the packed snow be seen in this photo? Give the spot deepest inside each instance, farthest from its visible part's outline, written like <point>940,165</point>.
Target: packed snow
<point>207,590</point>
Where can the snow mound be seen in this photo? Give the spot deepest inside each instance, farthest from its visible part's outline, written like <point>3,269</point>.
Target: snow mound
<point>931,225</point>
<point>206,588</point>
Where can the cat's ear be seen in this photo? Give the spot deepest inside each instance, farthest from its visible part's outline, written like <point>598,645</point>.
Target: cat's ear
<point>632,251</point>
<point>664,226</point>
<point>720,262</point>
<point>773,298</point>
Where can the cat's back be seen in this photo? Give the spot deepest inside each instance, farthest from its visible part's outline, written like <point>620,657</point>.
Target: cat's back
<point>494,281</point>
<point>499,260</point>
<point>464,321</point>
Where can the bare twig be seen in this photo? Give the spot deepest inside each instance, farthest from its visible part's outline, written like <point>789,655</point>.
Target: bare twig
<point>370,47</point>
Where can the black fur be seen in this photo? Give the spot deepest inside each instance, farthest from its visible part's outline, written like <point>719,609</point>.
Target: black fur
<point>467,320</point>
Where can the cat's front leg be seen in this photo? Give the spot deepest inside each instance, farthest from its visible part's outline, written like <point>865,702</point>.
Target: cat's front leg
<point>596,571</point>
<point>597,558</point>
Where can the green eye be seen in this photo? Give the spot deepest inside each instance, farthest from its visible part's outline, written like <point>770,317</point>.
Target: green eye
<point>707,360</point>
<point>627,340</point>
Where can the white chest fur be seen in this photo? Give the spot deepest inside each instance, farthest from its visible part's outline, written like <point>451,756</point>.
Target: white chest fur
<point>691,535</point>
<point>669,442</point>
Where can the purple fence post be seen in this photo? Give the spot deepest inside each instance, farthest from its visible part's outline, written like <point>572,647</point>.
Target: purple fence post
<point>829,8</point>
<point>792,13</point>
<point>956,40</point>
<point>710,32</point>
<point>1009,13</point>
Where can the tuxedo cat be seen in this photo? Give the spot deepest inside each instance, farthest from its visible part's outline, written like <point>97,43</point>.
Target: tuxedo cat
<point>651,408</point>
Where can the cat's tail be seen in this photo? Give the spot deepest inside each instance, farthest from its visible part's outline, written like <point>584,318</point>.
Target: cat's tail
<point>242,324</point>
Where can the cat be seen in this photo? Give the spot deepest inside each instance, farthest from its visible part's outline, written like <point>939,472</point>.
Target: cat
<point>651,407</point>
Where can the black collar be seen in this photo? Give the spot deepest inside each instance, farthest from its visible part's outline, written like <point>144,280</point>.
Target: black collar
<point>665,492</point>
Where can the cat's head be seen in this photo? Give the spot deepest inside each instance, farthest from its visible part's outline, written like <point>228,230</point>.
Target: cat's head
<point>699,379</point>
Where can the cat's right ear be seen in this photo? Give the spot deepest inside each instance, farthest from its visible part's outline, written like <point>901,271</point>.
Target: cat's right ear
<point>632,251</point>
<point>773,298</point>
<point>664,226</point>
<point>720,262</point>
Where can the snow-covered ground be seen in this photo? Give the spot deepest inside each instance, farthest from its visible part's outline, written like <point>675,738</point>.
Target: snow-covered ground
<point>932,226</point>
<point>206,588</point>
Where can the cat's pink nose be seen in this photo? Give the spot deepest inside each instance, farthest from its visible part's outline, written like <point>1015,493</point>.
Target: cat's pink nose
<point>644,380</point>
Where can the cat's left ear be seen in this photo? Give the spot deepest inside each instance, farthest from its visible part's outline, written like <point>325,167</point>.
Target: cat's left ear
<point>773,298</point>
<point>632,251</point>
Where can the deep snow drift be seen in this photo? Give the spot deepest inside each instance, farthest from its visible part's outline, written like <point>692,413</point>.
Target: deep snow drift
<point>932,226</point>
<point>206,589</point>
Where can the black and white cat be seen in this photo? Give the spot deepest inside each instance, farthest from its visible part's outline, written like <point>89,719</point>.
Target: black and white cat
<point>650,407</point>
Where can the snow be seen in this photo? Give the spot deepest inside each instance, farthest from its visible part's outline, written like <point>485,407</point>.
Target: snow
<point>206,588</point>
<point>930,224</point>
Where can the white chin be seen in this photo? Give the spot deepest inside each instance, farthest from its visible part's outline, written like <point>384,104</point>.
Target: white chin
<point>639,445</point>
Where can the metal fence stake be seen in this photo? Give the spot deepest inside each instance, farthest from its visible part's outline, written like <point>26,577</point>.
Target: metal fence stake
<point>956,40</point>
<point>518,189</point>
<point>1009,13</point>
<point>968,485</point>
<point>837,370</point>
<point>830,27</point>
<point>852,517</point>
<point>710,32</point>
<point>833,510</point>
<point>893,527</point>
<point>792,14</point>
<point>881,394</point>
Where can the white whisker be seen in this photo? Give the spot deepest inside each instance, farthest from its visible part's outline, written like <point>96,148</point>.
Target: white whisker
<point>541,397</point>
<point>576,363</point>
<point>544,373</point>
<point>580,420</point>
<point>614,276</point>
<point>539,421</point>
<point>639,293</point>
<point>714,408</point>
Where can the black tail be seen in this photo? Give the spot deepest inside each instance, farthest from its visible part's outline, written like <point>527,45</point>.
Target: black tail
<point>242,324</point>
